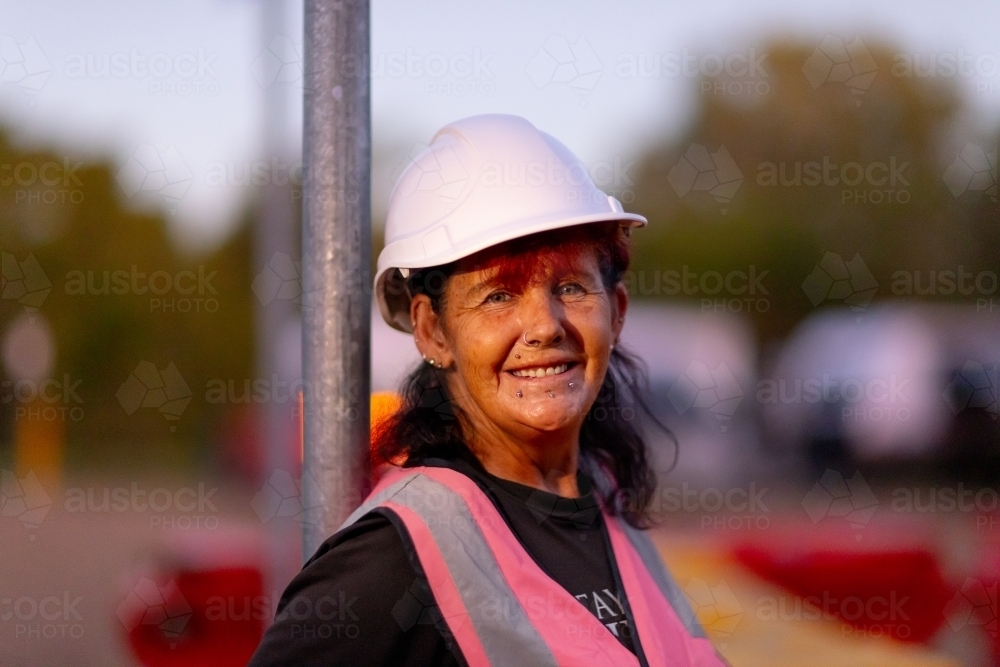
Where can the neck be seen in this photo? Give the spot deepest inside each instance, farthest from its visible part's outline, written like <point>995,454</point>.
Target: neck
<point>545,460</point>
<point>548,465</point>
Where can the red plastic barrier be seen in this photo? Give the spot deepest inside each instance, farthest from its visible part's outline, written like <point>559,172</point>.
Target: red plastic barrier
<point>901,594</point>
<point>210,617</point>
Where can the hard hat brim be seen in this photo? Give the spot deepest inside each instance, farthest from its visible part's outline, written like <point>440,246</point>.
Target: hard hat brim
<point>393,300</point>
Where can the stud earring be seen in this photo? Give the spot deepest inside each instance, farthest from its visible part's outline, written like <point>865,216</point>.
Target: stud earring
<point>430,361</point>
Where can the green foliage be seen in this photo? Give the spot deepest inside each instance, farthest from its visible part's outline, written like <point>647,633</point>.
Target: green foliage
<point>105,318</point>
<point>786,229</point>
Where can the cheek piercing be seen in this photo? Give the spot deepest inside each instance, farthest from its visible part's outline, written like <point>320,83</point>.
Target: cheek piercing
<point>517,356</point>
<point>551,395</point>
<point>571,384</point>
<point>519,394</point>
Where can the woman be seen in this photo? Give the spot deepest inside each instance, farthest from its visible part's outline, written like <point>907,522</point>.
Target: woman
<point>509,533</point>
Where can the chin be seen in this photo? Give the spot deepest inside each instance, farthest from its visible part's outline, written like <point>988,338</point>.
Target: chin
<point>552,418</point>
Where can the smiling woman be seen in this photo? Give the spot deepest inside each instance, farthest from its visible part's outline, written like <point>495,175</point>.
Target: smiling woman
<point>559,384</point>
<point>508,528</point>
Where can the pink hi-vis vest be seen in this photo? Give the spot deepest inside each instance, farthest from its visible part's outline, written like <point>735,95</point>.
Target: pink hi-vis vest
<point>504,610</point>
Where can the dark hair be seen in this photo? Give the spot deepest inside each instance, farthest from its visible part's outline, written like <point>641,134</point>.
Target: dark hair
<point>612,449</point>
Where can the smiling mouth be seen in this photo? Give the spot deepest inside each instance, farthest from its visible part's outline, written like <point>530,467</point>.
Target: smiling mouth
<point>541,371</point>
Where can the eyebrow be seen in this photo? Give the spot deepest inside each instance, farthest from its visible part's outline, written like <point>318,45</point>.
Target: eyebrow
<point>485,284</point>
<point>493,282</point>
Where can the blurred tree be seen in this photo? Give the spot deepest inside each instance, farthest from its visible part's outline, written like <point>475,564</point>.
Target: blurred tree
<point>789,140</point>
<point>121,294</point>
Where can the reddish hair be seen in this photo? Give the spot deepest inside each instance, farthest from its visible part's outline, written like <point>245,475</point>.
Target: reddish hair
<point>520,261</point>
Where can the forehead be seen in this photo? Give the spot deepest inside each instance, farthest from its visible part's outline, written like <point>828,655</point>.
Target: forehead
<point>518,267</point>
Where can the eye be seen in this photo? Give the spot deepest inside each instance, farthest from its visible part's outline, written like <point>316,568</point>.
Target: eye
<point>570,289</point>
<point>498,296</point>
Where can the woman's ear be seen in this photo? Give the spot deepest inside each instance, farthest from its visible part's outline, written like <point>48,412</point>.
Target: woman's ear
<point>620,300</point>
<point>427,332</point>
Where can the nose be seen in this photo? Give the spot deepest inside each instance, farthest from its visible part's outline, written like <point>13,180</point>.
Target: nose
<point>542,314</point>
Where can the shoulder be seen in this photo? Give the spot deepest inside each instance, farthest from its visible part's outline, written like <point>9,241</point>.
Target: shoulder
<point>370,551</point>
<point>349,605</point>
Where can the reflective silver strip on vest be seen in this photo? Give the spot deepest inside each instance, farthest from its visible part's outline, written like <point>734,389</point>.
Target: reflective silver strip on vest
<point>374,501</point>
<point>647,551</point>
<point>507,635</point>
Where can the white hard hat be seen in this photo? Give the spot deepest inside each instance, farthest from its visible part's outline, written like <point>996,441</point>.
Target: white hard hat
<point>482,181</point>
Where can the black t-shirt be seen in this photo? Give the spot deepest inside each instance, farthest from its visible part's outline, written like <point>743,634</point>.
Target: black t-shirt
<point>362,599</point>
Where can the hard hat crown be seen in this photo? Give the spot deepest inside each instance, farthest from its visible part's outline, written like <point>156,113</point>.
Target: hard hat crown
<point>482,181</point>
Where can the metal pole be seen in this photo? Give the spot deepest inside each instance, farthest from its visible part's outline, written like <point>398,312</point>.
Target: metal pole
<point>336,256</point>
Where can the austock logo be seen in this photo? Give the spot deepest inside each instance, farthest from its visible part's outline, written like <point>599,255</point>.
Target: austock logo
<point>456,74</point>
<point>280,62</point>
<point>833,496</point>
<point>182,74</point>
<point>870,616</point>
<point>160,174</point>
<point>833,279</point>
<point>974,170</point>
<point>731,291</point>
<point>702,387</point>
<point>48,399</point>
<point>23,64</point>
<point>443,173</point>
<point>148,603</point>
<point>559,62</point>
<point>417,607</point>
<point>874,182</point>
<point>185,291</point>
<point>698,170</point>
<point>147,387</point>
<point>975,604</point>
<point>24,499</point>
<point>717,607</point>
<point>43,617</point>
<point>836,62</point>
<point>281,279</point>
<point>866,398</point>
<point>282,497</point>
<point>975,385</point>
<point>725,74</point>
<point>24,281</point>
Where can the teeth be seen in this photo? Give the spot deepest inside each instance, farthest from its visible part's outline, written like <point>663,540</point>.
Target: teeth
<point>541,372</point>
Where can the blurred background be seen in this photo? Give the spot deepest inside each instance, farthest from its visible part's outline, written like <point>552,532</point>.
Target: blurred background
<point>816,298</point>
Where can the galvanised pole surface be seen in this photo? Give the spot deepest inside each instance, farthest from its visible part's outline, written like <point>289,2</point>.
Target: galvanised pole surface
<point>336,256</point>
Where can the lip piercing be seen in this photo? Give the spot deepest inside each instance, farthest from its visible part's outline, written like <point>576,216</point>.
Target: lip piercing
<point>519,394</point>
<point>571,384</point>
<point>551,395</point>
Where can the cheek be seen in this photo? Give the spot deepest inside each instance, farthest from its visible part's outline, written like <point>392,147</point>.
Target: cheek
<point>593,329</point>
<point>480,349</point>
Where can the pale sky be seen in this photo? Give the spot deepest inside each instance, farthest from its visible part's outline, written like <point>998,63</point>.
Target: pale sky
<point>186,79</point>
